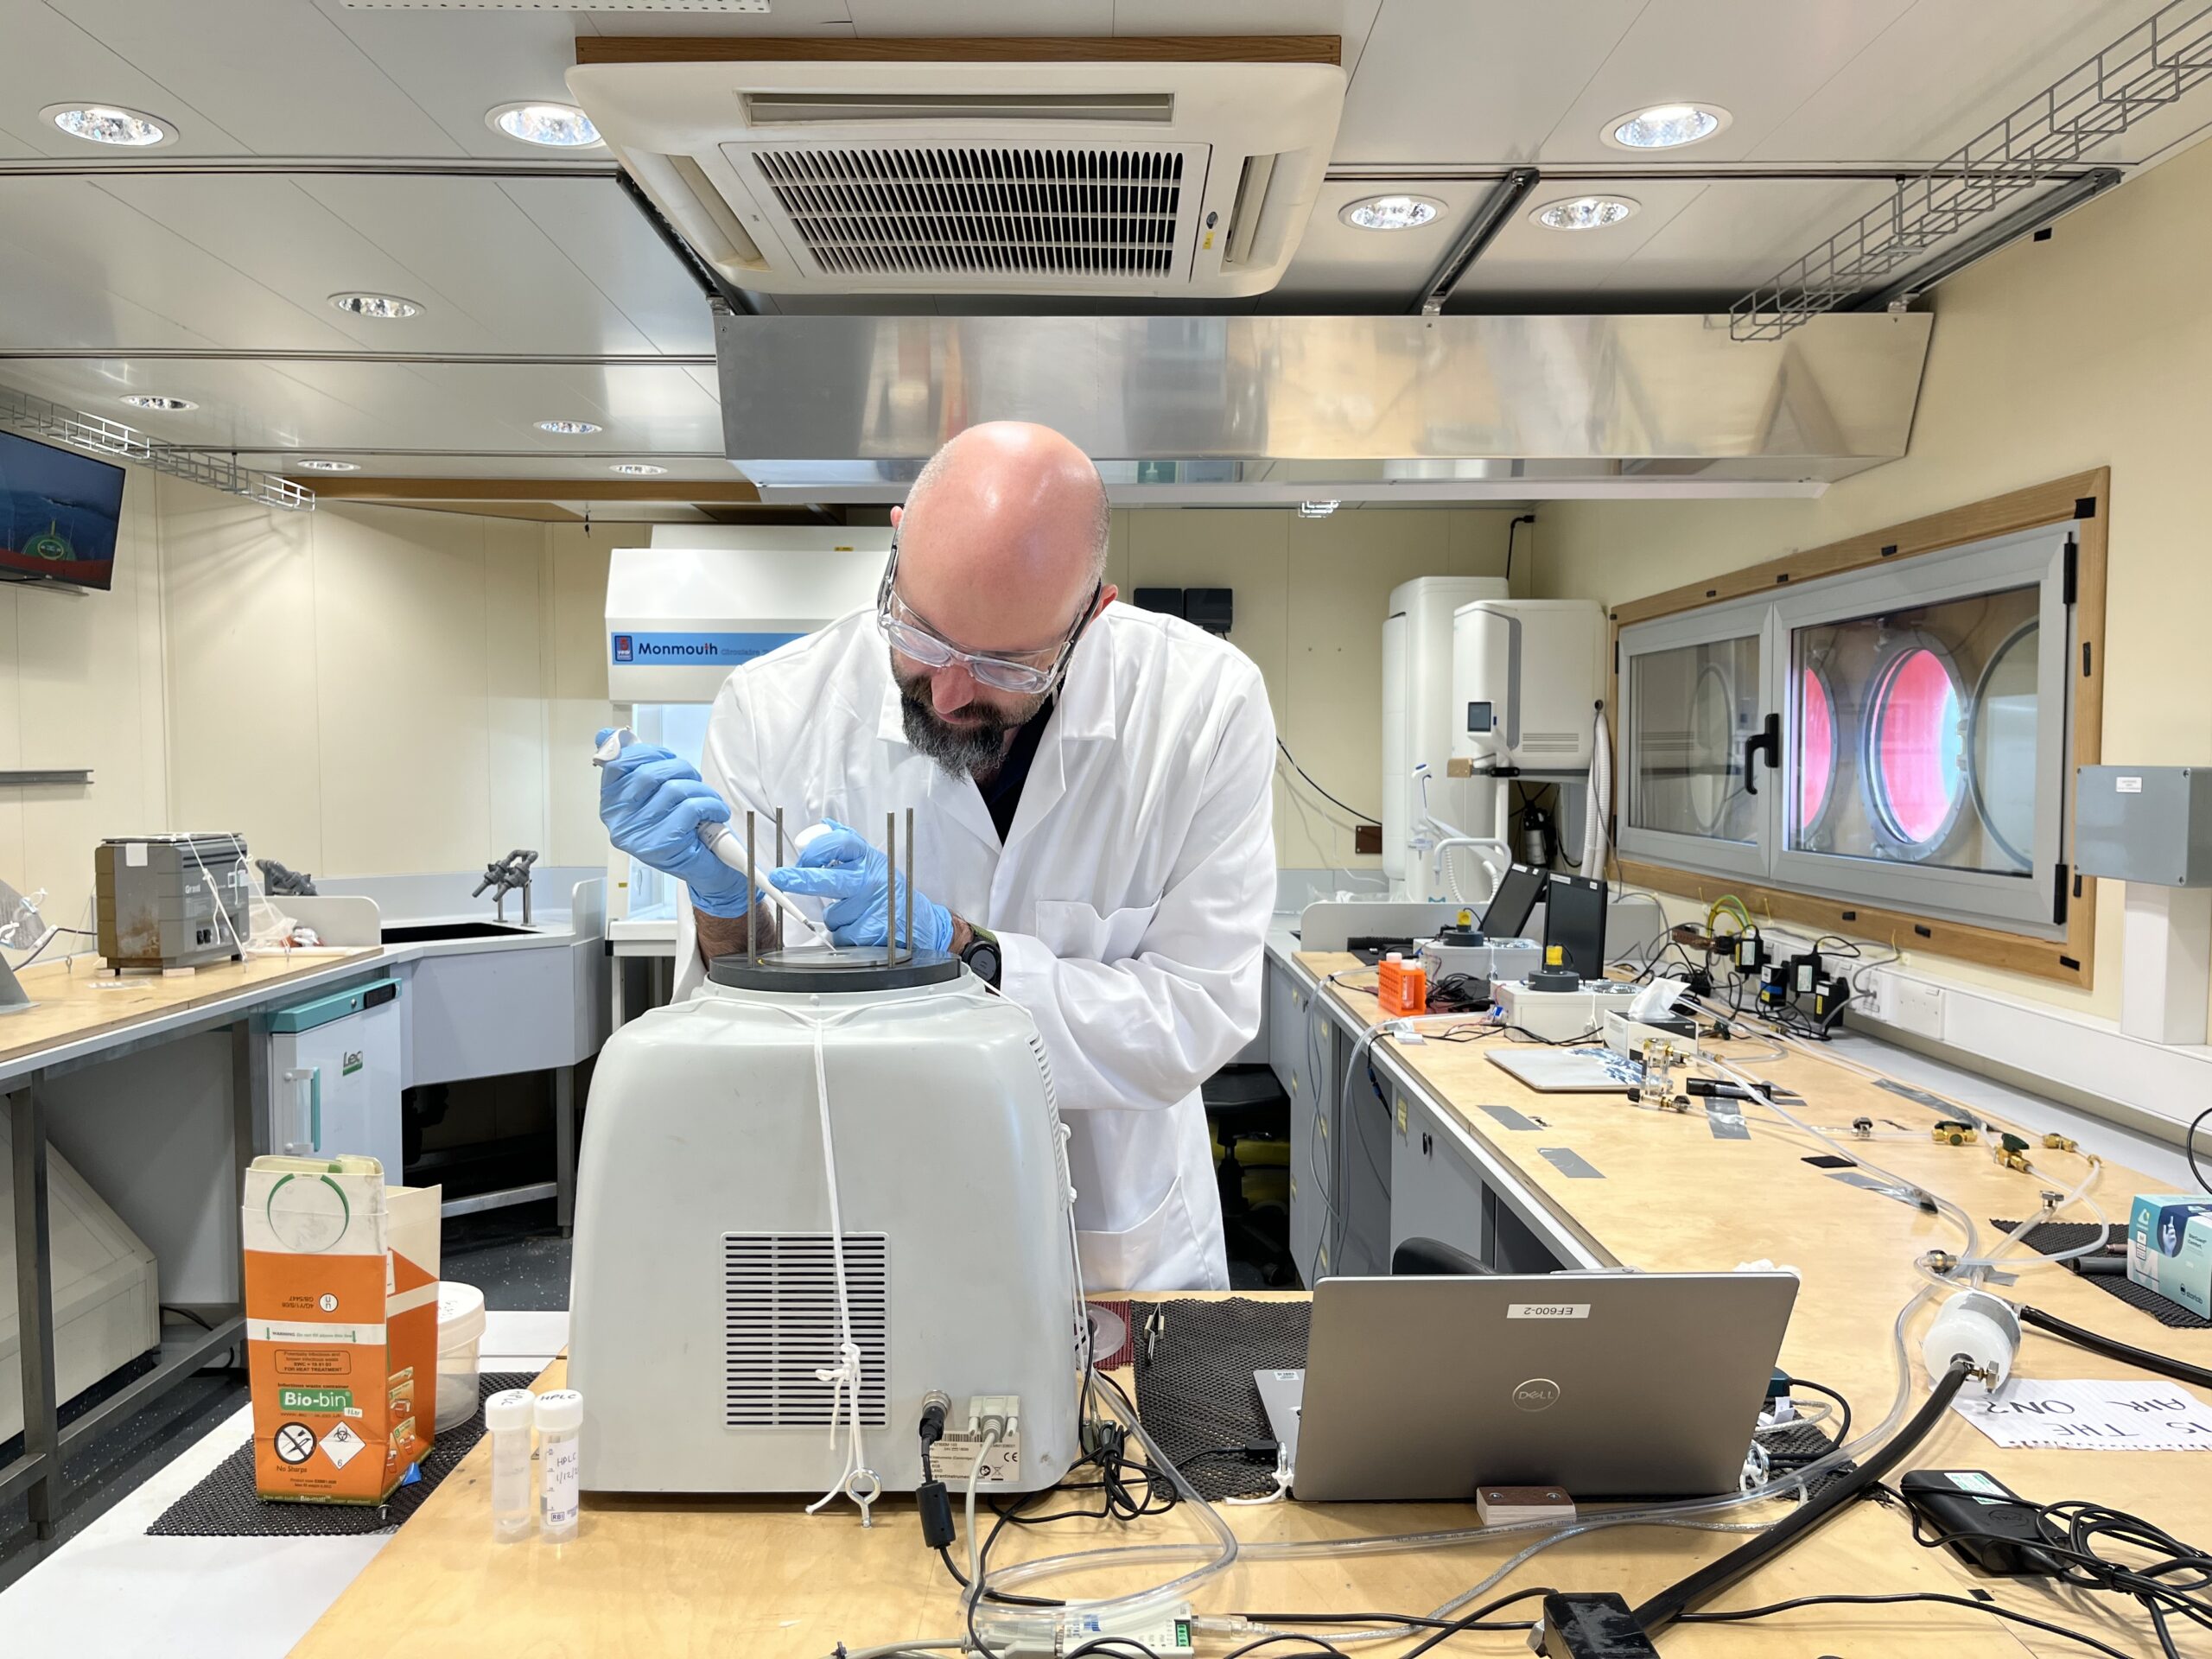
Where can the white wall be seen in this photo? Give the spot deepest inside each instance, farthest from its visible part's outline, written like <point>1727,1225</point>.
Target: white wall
<point>379,690</point>
<point>2052,357</point>
<point>357,690</point>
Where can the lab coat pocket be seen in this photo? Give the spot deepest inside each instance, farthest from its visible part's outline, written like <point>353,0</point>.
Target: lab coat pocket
<point>1071,928</point>
<point>1161,1252</point>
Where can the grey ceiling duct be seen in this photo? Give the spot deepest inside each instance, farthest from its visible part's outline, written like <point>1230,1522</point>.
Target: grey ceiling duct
<point>1244,409</point>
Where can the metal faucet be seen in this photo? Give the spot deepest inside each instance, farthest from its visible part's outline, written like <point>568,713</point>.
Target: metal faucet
<point>279,882</point>
<point>507,875</point>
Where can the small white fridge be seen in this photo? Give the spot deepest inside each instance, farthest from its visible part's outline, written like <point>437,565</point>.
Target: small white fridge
<point>334,1076</point>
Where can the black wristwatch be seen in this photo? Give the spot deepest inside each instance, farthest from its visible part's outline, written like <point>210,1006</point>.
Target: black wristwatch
<point>983,955</point>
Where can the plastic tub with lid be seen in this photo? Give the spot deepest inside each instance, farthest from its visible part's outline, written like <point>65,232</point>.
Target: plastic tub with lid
<point>461,1330</point>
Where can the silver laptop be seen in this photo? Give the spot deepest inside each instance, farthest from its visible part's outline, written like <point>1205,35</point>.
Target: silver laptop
<point>1611,1385</point>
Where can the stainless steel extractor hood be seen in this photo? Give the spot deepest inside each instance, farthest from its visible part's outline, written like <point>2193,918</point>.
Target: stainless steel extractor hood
<point>1238,410</point>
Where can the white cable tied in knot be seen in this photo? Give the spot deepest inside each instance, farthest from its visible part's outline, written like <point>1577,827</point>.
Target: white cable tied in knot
<point>856,1480</point>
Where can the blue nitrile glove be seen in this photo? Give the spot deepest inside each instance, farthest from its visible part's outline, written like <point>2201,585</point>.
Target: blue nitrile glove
<point>652,804</point>
<point>854,877</point>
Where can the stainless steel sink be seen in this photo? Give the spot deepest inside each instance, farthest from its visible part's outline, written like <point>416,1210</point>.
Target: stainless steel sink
<point>435,932</point>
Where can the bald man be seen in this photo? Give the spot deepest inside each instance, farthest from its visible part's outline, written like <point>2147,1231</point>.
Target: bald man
<point>1091,787</point>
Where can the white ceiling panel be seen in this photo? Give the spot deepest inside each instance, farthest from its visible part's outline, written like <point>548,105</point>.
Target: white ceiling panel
<point>469,243</point>
<point>601,231</point>
<point>1527,256</point>
<point>47,58</point>
<point>786,17</point>
<point>77,261</point>
<point>458,65</point>
<point>1941,74</point>
<point>1757,59</point>
<point>286,80</point>
<point>309,408</point>
<point>1337,259</point>
<point>980,17</point>
<point>1445,81</point>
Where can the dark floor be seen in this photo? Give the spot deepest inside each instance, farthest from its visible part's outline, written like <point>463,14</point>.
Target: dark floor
<point>517,1257</point>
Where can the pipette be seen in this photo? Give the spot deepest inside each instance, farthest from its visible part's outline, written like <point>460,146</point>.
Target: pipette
<point>721,840</point>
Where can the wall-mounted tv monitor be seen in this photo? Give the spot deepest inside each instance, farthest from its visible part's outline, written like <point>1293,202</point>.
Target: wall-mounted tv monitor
<point>59,514</point>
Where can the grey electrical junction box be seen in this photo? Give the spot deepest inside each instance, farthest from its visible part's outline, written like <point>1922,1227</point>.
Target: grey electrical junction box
<point>2144,823</point>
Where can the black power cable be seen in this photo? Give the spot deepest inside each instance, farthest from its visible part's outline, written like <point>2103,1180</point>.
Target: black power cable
<point>1670,1604</point>
<point>2189,1149</point>
<point>1372,823</point>
<point>1740,1614</point>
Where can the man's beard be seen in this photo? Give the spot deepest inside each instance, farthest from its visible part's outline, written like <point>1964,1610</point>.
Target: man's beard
<point>965,750</point>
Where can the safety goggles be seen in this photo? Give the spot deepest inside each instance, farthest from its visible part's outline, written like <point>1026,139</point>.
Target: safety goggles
<point>1025,674</point>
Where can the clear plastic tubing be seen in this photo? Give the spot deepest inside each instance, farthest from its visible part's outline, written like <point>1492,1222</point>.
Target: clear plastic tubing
<point>560,1417</point>
<point>506,1419</point>
<point>1002,1626</point>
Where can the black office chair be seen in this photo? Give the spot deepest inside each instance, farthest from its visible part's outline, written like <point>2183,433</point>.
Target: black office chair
<point>1432,1258</point>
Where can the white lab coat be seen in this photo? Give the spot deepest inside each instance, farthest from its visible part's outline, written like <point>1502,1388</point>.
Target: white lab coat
<point>1131,899</point>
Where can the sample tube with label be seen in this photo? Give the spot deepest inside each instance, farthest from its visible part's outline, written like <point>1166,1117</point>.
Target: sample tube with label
<point>560,1418</point>
<point>506,1419</point>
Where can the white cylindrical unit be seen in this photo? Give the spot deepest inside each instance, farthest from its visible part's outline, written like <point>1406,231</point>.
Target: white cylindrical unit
<point>705,1297</point>
<point>1417,714</point>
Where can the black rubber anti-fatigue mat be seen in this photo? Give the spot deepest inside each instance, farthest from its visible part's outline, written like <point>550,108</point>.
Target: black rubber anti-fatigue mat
<point>225,1505</point>
<point>1194,1364</point>
<point>2055,1236</point>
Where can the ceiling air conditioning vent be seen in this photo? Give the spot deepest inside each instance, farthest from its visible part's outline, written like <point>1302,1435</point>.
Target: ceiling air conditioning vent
<point>865,177</point>
<point>937,214</point>
<point>810,108</point>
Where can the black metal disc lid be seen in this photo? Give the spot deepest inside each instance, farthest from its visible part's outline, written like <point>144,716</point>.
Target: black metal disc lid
<point>815,968</point>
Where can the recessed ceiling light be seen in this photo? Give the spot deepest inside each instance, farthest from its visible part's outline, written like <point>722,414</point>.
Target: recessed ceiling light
<point>636,468</point>
<point>1666,126</point>
<point>1584,212</point>
<point>327,466</point>
<point>568,429</point>
<point>1317,509</point>
<point>1391,213</point>
<point>556,126</point>
<point>387,308</point>
<point>147,400</point>
<point>109,123</point>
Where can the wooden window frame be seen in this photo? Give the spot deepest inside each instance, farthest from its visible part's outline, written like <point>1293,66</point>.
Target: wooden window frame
<point>2085,498</point>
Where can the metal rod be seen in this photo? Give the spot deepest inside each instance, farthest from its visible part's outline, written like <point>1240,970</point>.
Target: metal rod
<point>752,898</point>
<point>890,890</point>
<point>373,166</point>
<point>909,881</point>
<point>248,354</point>
<point>2009,229</point>
<point>711,283</point>
<point>35,1303</point>
<point>780,837</point>
<point>1479,232</point>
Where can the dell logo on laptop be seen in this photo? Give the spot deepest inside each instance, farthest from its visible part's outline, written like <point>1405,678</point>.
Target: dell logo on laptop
<point>1537,1394</point>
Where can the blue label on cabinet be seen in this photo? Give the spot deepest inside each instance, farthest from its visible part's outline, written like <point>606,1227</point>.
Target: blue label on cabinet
<point>709,650</point>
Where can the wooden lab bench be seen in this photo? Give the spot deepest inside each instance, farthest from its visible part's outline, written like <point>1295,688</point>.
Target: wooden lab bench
<point>758,1578</point>
<point>82,1015</point>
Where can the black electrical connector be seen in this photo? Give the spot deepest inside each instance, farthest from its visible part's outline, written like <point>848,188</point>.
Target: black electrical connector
<point>1984,1521</point>
<point>1593,1626</point>
<point>932,1502</point>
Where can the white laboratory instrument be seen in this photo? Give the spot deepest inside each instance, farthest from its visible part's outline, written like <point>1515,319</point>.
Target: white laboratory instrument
<point>1418,723</point>
<point>1527,676</point>
<point>724,843</point>
<point>334,1066</point>
<point>1462,950</point>
<point>800,1097</point>
<point>683,612</point>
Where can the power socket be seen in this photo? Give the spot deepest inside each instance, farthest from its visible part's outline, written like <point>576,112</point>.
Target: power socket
<point>1167,1635</point>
